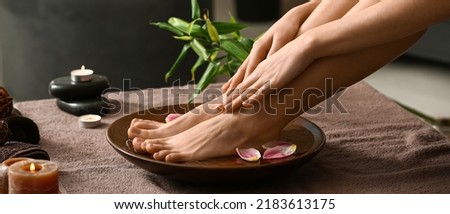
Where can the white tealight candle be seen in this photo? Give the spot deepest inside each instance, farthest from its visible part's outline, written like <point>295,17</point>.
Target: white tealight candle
<point>81,75</point>
<point>89,121</point>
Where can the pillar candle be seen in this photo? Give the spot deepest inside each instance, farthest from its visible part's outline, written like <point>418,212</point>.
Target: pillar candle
<point>4,172</point>
<point>33,177</point>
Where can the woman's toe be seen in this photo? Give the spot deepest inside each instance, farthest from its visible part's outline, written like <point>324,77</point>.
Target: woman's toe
<point>176,157</point>
<point>137,143</point>
<point>147,124</point>
<point>154,147</point>
<point>161,155</point>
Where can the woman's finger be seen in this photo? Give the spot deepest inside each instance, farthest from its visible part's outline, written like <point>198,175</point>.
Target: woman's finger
<point>242,95</point>
<point>237,77</point>
<point>258,54</point>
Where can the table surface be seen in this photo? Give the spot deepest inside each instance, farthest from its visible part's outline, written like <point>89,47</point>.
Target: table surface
<point>375,147</point>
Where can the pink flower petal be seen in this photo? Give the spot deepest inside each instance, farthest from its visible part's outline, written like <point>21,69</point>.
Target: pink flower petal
<point>172,117</point>
<point>250,154</point>
<point>281,151</point>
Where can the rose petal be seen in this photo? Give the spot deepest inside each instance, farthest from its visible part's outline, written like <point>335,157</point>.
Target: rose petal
<point>250,154</point>
<point>172,117</point>
<point>281,151</point>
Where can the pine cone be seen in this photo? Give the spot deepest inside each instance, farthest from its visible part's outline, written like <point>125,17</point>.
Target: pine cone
<point>6,103</point>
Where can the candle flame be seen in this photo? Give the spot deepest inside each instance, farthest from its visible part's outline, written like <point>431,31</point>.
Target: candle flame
<point>82,67</point>
<point>32,168</point>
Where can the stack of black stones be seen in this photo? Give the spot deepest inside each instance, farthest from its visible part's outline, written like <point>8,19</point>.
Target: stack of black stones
<point>80,95</point>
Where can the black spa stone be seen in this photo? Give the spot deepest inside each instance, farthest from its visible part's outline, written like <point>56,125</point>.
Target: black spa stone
<point>97,106</point>
<point>64,89</point>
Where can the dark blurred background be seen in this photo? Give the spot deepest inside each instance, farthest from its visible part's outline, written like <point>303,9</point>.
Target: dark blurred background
<point>43,40</point>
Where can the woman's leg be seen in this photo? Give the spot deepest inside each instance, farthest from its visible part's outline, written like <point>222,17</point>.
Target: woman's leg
<point>326,11</point>
<point>221,135</point>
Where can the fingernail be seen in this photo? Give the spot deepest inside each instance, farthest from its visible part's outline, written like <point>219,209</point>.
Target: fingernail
<point>228,107</point>
<point>224,86</point>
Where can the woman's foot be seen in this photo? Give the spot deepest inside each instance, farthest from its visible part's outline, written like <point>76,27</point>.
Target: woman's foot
<point>216,137</point>
<point>148,129</point>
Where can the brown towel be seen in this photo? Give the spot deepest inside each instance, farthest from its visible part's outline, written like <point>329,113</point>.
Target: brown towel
<point>22,129</point>
<point>18,149</point>
<point>19,137</point>
<point>377,147</point>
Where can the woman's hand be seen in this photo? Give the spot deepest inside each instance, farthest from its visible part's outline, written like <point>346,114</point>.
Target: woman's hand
<point>274,72</point>
<point>279,34</point>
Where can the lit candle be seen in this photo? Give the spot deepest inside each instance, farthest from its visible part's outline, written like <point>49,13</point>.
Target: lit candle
<point>81,75</point>
<point>4,172</point>
<point>33,176</point>
<point>89,121</point>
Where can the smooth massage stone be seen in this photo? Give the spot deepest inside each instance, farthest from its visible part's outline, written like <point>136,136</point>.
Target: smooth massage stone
<point>65,89</point>
<point>82,107</point>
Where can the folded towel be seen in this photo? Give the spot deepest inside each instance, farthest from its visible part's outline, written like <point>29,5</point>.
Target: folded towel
<point>19,149</point>
<point>22,129</point>
<point>19,137</point>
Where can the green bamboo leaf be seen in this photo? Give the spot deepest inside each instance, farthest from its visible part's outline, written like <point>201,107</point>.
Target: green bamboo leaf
<point>226,27</point>
<point>180,58</point>
<point>197,64</point>
<point>212,31</point>
<point>196,30</point>
<point>179,24</point>
<point>246,43</point>
<point>207,77</point>
<point>199,49</point>
<point>213,55</point>
<point>234,48</point>
<point>233,65</point>
<point>195,9</point>
<point>169,27</point>
<point>232,19</point>
<point>223,69</point>
<point>230,71</point>
<point>183,38</point>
